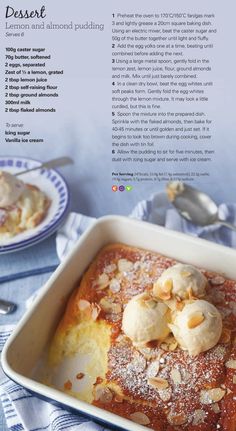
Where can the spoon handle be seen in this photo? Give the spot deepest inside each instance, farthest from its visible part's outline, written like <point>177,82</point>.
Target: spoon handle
<point>55,163</point>
<point>226,224</point>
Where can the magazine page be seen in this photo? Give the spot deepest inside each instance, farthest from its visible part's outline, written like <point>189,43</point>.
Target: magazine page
<point>117,176</point>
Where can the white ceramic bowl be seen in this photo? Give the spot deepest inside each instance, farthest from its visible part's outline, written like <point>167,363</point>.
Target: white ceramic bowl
<point>27,345</point>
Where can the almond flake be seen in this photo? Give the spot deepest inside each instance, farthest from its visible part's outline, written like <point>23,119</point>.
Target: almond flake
<point>168,286</point>
<point>165,347</point>
<point>218,280</point>
<point>234,379</point>
<point>109,306</point>
<point>103,394</point>
<point>153,368</point>
<point>148,352</point>
<point>95,311</point>
<point>103,281</point>
<point>176,376</point>
<point>161,293</point>
<point>140,418</point>
<point>178,419</point>
<point>231,364</point>
<point>110,268</point>
<point>173,346</point>
<point>114,285</point>
<point>165,394</point>
<point>83,304</point>
<point>125,265</point>
<point>158,383</point>
<point>138,363</point>
<point>211,395</point>
<point>191,294</point>
<point>105,304</point>
<point>195,319</point>
<point>118,398</point>
<point>198,417</point>
<point>215,407</point>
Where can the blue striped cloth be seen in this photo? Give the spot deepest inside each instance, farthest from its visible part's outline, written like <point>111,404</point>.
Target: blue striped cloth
<point>24,411</point>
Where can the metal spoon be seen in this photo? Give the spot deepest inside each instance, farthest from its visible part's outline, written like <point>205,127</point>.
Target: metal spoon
<point>195,206</point>
<point>55,163</point>
<point>6,307</point>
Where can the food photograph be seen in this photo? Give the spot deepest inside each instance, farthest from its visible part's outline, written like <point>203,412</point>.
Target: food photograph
<point>117,216</point>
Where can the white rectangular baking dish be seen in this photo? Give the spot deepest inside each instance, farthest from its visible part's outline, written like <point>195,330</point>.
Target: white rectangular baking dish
<point>26,346</point>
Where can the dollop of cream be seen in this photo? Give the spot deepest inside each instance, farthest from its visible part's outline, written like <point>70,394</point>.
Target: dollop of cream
<point>145,319</point>
<point>180,280</point>
<point>197,327</point>
<point>10,189</point>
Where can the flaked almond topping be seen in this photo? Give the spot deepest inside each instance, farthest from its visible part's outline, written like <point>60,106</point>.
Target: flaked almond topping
<point>231,364</point>
<point>95,311</point>
<point>210,396</point>
<point>165,394</point>
<point>176,376</point>
<point>211,314</point>
<point>153,368</point>
<point>138,363</point>
<point>110,268</point>
<point>234,379</point>
<point>229,391</point>
<point>103,281</point>
<point>165,347</point>
<point>215,407</point>
<point>225,336</point>
<point>103,394</point>
<point>83,304</point>
<point>114,285</point>
<point>160,293</point>
<point>178,419</point>
<point>198,417</point>
<point>191,294</point>
<point>195,319</point>
<point>173,346</point>
<point>125,265</point>
<point>218,280</point>
<point>148,352</point>
<point>109,306</point>
<point>106,304</point>
<point>118,398</point>
<point>167,286</point>
<point>140,418</point>
<point>158,383</point>
<point>80,376</point>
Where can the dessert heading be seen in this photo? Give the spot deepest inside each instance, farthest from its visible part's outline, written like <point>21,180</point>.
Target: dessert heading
<point>35,13</point>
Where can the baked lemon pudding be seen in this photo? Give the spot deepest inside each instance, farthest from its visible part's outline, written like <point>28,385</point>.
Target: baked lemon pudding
<point>22,206</point>
<point>159,341</point>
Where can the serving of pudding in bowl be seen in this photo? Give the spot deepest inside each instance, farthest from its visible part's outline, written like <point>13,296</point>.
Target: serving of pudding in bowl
<point>156,340</point>
<point>23,206</point>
